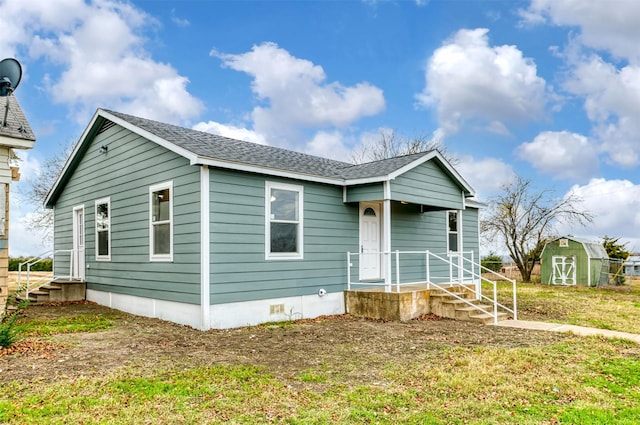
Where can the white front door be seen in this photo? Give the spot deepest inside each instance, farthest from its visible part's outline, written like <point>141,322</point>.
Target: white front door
<point>370,242</point>
<point>564,270</point>
<point>77,256</point>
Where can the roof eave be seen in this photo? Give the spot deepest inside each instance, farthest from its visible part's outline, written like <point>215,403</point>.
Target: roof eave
<point>54,192</point>
<point>231,165</point>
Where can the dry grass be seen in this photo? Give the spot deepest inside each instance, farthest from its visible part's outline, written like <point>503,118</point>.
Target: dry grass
<point>13,278</point>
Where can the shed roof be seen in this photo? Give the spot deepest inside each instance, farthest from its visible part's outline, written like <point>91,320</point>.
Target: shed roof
<point>593,249</point>
<point>203,148</point>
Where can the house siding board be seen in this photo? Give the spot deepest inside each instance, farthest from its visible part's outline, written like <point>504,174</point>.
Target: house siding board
<point>239,271</point>
<point>471,238</point>
<point>133,164</point>
<point>412,230</point>
<point>427,184</point>
<point>365,192</point>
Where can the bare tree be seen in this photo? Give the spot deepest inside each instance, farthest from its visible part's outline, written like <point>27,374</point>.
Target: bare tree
<point>390,144</point>
<point>38,187</point>
<point>523,218</point>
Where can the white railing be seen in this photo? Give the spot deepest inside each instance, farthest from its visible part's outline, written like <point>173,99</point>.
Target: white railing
<point>30,284</point>
<point>437,270</point>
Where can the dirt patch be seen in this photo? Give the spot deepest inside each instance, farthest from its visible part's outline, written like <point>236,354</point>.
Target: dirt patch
<point>340,343</point>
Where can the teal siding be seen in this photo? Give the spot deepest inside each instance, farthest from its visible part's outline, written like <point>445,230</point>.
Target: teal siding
<point>124,174</point>
<point>470,235</point>
<point>415,231</point>
<point>412,230</point>
<point>239,271</point>
<point>365,192</point>
<point>427,184</point>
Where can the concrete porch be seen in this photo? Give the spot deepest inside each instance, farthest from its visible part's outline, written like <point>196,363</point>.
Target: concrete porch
<point>412,301</point>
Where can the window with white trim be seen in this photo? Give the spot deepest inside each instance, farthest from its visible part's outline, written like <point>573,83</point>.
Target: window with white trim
<point>161,222</point>
<point>103,229</point>
<point>453,227</point>
<point>283,221</point>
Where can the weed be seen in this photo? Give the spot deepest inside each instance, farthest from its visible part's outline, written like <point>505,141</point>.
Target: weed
<point>8,330</point>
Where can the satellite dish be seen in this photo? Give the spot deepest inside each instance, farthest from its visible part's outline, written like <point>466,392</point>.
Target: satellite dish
<point>10,76</point>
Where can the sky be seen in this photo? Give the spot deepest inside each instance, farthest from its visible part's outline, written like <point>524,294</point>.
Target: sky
<point>548,90</point>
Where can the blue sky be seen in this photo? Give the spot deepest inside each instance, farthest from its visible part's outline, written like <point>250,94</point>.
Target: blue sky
<point>545,89</point>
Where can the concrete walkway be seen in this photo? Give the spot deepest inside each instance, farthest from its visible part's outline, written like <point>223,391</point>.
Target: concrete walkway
<point>558,327</point>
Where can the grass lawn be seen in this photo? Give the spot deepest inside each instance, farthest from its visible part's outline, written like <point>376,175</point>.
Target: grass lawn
<point>88,364</point>
<point>615,307</point>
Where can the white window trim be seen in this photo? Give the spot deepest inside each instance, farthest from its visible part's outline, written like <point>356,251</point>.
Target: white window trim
<point>458,232</point>
<point>98,202</point>
<point>267,227</point>
<point>155,188</point>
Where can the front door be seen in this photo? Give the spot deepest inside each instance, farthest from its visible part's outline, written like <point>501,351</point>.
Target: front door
<point>564,270</point>
<point>370,242</point>
<point>77,256</point>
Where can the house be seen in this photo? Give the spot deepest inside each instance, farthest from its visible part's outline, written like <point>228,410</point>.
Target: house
<point>15,133</point>
<point>632,266</point>
<point>212,232</point>
<point>568,260</point>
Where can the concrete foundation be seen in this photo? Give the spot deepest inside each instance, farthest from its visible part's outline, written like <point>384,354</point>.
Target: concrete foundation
<point>376,303</point>
<point>416,300</point>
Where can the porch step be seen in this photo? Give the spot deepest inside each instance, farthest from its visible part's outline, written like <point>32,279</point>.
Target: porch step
<point>58,291</point>
<point>446,305</point>
<point>487,319</point>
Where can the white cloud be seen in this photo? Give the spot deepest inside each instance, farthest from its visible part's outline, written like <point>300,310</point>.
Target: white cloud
<point>604,25</point>
<point>294,93</point>
<point>485,175</point>
<point>100,58</point>
<point>181,22</point>
<point>329,145</point>
<point>231,131</point>
<point>616,206</point>
<point>468,80</point>
<point>612,102</point>
<point>561,154</point>
<point>24,241</point>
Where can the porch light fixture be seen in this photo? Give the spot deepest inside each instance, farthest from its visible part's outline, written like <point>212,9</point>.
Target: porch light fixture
<point>104,149</point>
<point>404,202</point>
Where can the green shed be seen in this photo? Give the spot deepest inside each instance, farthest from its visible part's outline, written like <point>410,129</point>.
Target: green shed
<point>573,261</point>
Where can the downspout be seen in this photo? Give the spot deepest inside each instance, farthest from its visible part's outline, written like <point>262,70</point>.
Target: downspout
<point>205,257</point>
<point>386,229</point>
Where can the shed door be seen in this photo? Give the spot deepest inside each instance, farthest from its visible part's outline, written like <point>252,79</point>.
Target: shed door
<point>370,242</point>
<point>564,270</point>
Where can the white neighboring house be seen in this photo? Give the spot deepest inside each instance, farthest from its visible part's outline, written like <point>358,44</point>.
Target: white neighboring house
<point>15,133</point>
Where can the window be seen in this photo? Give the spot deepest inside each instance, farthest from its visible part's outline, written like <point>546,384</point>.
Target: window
<point>452,230</point>
<point>283,224</point>
<point>103,229</point>
<point>161,222</point>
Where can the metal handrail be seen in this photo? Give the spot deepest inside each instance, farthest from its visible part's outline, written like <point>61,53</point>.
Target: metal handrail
<point>463,274</point>
<point>30,286</point>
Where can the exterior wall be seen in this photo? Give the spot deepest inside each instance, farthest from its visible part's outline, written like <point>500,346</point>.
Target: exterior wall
<point>471,232</point>
<point>124,174</point>
<point>575,248</point>
<point>239,271</point>
<point>365,192</point>
<point>427,184</point>
<point>412,230</point>
<point>415,231</point>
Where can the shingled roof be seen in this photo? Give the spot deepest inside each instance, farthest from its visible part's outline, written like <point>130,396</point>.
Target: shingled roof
<point>203,148</point>
<point>216,147</point>
<point>16,126</point>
